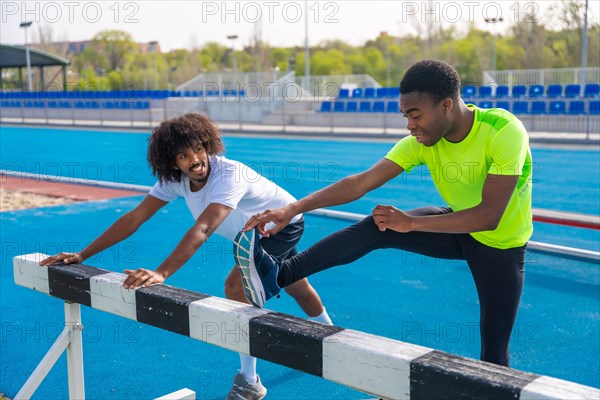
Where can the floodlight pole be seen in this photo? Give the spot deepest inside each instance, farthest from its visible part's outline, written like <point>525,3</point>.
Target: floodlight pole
<point>494,21</point>
<point>26,25</point>
<point>306,48</point>
<point>235,79</point>
<point>584,44</point>
<point>154,45</point>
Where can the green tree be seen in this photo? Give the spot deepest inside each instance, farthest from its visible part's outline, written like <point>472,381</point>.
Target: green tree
<point>114,45</point>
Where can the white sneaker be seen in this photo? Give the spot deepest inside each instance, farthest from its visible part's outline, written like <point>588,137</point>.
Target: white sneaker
<point>244,390</point>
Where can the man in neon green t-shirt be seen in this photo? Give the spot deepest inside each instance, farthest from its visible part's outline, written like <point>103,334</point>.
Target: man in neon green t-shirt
<point>480,163</point>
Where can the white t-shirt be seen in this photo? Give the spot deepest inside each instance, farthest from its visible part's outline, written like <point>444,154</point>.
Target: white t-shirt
<point>232,184</point>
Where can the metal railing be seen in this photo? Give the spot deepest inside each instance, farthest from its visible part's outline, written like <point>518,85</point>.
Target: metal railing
<point>554,76</point>
<point>321,86</point>
<point>284,110</point>
<point>253,83</point>
<point>328,86</point>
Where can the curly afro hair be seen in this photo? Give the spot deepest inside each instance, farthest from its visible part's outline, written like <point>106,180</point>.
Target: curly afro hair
<point>434,78</point>
<point>174,135</point>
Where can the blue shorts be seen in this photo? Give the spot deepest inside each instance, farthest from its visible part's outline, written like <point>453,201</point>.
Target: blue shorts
<point>283,244</point>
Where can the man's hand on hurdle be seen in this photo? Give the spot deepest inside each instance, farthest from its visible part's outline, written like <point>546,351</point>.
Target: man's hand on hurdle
<point>142,278</point>
<point>66,258</point>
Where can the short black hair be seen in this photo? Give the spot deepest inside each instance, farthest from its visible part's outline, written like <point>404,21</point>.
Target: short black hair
<point>177,134</point>
<point>435,78</point>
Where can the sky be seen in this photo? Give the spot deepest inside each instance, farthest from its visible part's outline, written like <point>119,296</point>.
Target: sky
<point>187,24</point>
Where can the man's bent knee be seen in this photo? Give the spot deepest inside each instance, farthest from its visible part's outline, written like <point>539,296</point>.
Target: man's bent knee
<point>233,288</point>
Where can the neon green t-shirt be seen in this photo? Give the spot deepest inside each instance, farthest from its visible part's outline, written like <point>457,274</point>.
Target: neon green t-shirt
<point>497,144</point>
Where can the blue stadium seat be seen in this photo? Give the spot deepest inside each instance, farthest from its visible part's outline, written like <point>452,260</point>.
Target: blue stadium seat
<point>502,92</point>
<point>591,90</point>
<point>125,105</point>
<point>358,92</point>
<point>382,92</point>
<point>572,91</point>
<point>485,92</point>
<point>538,108</point>
<point>536,91</point>
<point>344,94</point>
<point>576,107</point>
<point>486,104</point>
<point>29,104</point>
<point>4,103</point>
<point>364,106</point>
<point>468,92</point>
<point>369,93</point>
<point>393,92</point>
<point>338,106</point>
<point>554,91</point>
<point>378,106</point>
<point>520,107</point>
<point>505,105</point>
<point>352,106</point>
<point>557,107</point>
<point>326,106</point>
<point>109,105</point>
<point>595,107</point>
<point>519,91</point>
<point>392,107</point>
<point>64,104</point>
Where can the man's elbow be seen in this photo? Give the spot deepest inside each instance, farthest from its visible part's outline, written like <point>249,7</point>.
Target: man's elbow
<point>491,221</point>
<point>492,225</point>
<point>197,238</point>
<point>131,221</point>
<point>355,186</point>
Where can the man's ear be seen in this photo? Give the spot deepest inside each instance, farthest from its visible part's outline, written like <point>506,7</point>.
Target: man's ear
<point>447,105</point>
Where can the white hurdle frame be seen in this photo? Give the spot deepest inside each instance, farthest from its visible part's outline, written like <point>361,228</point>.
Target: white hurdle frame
<point>375,365</point>
<point>70,339</point>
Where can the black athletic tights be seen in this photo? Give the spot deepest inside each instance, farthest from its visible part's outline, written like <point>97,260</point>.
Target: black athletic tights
<point>498,274</point>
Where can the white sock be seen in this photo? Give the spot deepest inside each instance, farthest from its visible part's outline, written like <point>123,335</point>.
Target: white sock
<point>248,368</point>
<point>323,318</point>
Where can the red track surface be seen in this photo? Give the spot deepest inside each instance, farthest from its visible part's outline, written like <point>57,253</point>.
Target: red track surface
<point>59,189</point>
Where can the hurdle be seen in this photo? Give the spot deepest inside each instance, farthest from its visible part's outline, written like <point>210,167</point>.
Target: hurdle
<point>375,365</point>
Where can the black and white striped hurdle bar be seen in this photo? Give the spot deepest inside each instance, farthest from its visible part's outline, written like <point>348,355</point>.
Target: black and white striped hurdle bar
<point>372,364</point>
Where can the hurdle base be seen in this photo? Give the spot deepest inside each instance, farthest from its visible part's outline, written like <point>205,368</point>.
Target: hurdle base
<point>70,340</point>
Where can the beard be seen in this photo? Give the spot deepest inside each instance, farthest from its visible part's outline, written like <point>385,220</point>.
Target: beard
<point>204,179</point>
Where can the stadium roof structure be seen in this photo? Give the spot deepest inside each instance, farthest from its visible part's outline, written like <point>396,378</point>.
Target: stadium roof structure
<point>15,57</point>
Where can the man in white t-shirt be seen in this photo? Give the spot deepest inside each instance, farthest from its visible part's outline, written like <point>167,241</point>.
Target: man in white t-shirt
<point>221,194</point>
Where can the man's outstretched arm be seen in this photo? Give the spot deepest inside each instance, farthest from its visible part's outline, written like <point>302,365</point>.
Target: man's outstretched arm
<point>205,225</point>
<point>496,193</point>
<point>344,191</point>
<point>120,230</point>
